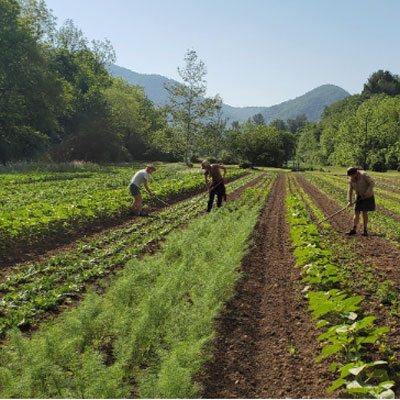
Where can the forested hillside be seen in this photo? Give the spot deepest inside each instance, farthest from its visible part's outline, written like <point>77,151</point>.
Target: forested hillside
<point>311,104</point>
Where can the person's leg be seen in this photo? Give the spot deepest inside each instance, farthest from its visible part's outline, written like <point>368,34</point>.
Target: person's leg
<point>223,192</point>
<point>219,199</point>
<point>210,201</point>
<point>137,204</point>
<point>365,222</point>
<point>356,218</point>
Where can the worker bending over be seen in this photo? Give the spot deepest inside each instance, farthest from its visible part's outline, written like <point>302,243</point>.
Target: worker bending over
<point>214,182</point>
<point>363,185</point>
<point>139,179</point>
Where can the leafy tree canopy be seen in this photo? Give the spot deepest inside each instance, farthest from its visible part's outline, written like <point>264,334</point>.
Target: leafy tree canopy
<point>382,82</point>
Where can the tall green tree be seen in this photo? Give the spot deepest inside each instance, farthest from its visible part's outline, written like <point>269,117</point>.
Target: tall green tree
<point>134,118</point>
<point>279,124</point>
<point>295,125</point>
<point>88,116</point>
<point>188,107</point>
<point>31,93</point>
<point>261,144</point>
<point>213,133</point>
<point>40,20</point>
<point>308,146</point>
<point>382,82</point>
<point>367,131</point>
<point>258,119</point>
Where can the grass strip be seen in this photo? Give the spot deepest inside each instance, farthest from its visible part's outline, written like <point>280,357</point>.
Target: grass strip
<point>152,326</point>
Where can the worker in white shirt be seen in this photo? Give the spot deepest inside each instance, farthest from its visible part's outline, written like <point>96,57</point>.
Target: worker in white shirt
<point>140,178</point>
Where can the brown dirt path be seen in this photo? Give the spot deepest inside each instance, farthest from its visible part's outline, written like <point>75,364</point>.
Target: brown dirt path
<point>266,321</point>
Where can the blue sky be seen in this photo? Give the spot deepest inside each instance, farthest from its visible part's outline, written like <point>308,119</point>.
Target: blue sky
<point>257,52</point>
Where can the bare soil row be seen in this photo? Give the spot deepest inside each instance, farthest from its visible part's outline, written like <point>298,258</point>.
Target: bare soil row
<point>267,343</point>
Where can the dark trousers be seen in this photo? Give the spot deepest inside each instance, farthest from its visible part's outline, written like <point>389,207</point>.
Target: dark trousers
<point>221,194</point>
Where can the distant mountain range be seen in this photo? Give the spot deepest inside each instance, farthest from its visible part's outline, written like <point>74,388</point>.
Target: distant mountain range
<point>311,103</point>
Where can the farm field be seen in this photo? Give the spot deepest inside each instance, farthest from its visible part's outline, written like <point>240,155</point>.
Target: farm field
<point>253,300</point>
<point>39,208</point>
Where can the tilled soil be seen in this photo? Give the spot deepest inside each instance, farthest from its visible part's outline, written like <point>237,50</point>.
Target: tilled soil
<point>266,343</point>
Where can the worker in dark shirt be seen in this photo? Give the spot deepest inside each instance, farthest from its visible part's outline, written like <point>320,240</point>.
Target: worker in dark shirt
<point>215,182</point>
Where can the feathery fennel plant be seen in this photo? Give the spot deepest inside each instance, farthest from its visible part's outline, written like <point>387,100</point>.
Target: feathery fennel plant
<point>152,325</point>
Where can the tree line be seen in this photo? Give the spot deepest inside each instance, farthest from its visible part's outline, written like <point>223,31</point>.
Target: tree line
<point>361,130</point>
<point>57,100</point>
<point>59,103</point>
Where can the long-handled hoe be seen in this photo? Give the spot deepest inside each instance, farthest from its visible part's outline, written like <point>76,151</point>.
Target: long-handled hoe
<point>202,196</point>
<point>161,200</point>
<point>193,204</point>
<point>332,215</point>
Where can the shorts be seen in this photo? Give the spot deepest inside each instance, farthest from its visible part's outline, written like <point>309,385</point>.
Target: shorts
<point>365,204</point>
<point>135,190</point>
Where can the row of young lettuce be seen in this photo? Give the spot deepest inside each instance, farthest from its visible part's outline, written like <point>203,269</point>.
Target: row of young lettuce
<point>37,207</point>
<point>153,322</point>
<point>154,318</point>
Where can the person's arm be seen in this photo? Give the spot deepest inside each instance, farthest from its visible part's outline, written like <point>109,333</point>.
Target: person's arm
<point>206,180</point>
<point>350,196</point>
<point>147,187</point>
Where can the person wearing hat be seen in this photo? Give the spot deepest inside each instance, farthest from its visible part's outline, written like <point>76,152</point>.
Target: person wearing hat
<point>363,185</point>
<point>140,178</point>
<point>216,186</point>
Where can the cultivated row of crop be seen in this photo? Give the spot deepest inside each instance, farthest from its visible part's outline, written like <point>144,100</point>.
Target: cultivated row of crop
<point>380,222</point>
<point>364,278</point>
<point>361,277</point>
<point>350,333</point>
<point>22,179</point>
<point>392,182</point>
<point>36,211</point>
<point>34,288</point>
<point>153,325</point>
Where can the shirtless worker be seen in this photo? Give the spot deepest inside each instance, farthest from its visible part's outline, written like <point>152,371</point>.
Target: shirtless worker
<point>363,185</point>
<point>140,178</point>
<point>217,186</point>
